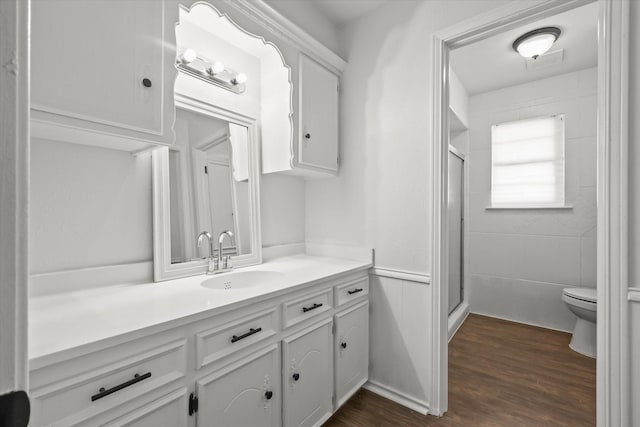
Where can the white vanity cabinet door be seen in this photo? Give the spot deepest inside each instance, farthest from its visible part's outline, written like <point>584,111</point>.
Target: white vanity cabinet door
<point>101,66</point>
<point>351,351</point>
<point>318,108</point>
<point>243,394</point>
<point>307,383</point>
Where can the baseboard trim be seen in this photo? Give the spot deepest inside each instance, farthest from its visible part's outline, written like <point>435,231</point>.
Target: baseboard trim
<point>410,276</point>
<point>397,396</point>
<point>87,278</point>
<point>457,318</point>
<point>521,322</point>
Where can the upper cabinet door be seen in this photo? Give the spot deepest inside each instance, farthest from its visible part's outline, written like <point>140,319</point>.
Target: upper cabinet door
<point>318,108</point>
<point>105,67</point>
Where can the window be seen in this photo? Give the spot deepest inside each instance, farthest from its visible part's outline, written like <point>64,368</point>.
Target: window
<point>527,163</point>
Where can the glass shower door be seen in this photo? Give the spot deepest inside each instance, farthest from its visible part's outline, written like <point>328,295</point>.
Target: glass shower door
<point>455,216</point>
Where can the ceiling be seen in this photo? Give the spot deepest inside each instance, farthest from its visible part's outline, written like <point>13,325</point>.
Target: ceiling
<point>492,63</point>
<point>340,12</point>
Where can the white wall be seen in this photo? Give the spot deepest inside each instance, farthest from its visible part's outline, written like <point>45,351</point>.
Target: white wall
<point>91,207</point>
<point>458,98</point>
<point>520,260</point>
<point>305,15</point>
<point>382,197</point>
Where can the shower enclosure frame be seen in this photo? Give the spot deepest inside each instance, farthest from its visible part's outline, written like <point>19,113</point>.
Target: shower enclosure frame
<point>613,364</point>
<point>456,317</point>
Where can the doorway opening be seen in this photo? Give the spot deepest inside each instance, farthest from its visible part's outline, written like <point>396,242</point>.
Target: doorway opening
<point>611,177</point>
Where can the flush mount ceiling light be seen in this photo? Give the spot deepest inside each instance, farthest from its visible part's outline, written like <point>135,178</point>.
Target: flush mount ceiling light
<point>536,42</point>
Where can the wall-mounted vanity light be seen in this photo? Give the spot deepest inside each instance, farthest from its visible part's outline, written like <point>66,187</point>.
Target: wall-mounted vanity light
<point>536,42</point>
<point>214,72</point>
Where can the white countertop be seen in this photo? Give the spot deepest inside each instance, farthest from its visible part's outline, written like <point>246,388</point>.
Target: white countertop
<point>61,322</point>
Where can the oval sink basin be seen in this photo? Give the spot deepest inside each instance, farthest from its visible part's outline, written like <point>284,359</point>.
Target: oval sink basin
<point>242,280</point>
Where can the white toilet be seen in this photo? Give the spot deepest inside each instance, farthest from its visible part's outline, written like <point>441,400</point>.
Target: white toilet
<point>582,303</point>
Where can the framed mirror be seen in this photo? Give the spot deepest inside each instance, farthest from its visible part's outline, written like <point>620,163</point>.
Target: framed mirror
<point>208,180</point>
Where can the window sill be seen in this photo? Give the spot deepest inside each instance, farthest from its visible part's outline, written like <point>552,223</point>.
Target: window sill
<point>525,207</point>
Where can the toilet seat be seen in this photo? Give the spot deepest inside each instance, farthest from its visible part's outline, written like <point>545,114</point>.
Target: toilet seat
<point>584,298</point>
<point>583,294</point>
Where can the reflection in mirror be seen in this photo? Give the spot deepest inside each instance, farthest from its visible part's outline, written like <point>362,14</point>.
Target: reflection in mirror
<point>208,186</point>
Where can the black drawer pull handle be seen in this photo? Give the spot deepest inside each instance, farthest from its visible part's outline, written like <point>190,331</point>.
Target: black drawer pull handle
<point>268,394</point>
<point>146,82</point>
<point>313,307</point>
<point>343,345</point>
<point>355,291</point>
<point>243,336</point>
<point>296,376</point>
<point>106,392</point>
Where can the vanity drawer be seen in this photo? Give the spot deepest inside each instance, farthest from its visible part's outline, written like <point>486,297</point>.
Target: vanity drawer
<point>213,344</point>
<point>351,291</point>
<point>92,390</point>
<point>306,307</point>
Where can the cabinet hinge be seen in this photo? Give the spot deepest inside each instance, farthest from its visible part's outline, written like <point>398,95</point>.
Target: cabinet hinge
<point>206,170</point>
<point>193,404</point>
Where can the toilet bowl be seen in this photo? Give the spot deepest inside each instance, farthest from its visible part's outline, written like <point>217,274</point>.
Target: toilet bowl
<point>582,303</point>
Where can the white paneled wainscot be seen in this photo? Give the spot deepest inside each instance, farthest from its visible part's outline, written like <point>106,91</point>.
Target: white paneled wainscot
<point>400,348</point>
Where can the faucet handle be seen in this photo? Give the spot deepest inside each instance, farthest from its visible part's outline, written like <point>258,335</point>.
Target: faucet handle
<point>226,262</point>
<point>216,264</point>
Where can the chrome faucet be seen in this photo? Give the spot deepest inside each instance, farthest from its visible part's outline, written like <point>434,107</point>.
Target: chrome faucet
<point>224,262</point>
<point>213,263</point>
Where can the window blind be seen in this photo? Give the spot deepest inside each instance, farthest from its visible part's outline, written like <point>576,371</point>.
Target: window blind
<point>527,163</point>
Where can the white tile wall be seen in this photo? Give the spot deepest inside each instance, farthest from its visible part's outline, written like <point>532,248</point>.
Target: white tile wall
<point>520,260</point>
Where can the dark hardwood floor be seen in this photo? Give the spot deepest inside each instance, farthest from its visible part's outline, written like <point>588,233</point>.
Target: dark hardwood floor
<point>500,374</point>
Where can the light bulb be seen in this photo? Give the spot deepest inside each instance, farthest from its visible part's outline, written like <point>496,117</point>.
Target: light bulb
<point>216,68</point>
<point>536,45</point>
<point>239,79</point>
<point>189,55</point>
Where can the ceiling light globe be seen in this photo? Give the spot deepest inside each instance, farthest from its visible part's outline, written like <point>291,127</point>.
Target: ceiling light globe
<point>536,42</point>
<point>536,45</point>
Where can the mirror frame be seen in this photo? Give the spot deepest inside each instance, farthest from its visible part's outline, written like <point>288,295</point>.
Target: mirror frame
<point>163,269</point>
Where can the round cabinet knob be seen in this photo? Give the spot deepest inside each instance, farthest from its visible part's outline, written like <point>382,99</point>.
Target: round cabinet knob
<point>307,136</point>
<point>268,394</point>
<point>146,82</point>
<point>343,345</point>
<point>296,376</point>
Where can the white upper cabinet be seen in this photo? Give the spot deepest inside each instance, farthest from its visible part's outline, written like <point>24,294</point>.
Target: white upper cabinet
<point>102,72</point>
<point>317,148</point>
<point>313,151</point>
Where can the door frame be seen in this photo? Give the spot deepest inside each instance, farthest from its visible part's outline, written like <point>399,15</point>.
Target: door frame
<point>14,194</point>
<point>612,379</point>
